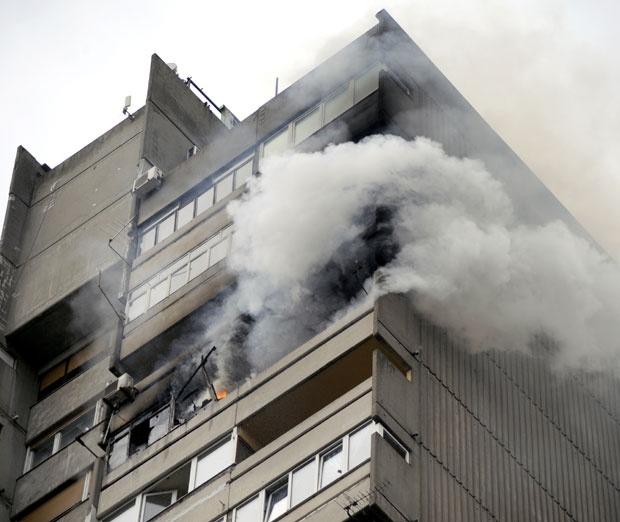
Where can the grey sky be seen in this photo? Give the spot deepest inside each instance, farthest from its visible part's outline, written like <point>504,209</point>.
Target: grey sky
<point>544,74</point>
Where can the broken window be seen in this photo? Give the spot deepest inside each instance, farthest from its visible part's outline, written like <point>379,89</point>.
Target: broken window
<point>138,436</point>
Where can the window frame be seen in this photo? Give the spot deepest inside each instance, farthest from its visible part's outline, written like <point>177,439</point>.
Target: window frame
<point>56,438</point>
<point>317,459</point>
<point>127,429</point>
<point>224,234</point>
<point>184,202</point>
<point>230,438</point>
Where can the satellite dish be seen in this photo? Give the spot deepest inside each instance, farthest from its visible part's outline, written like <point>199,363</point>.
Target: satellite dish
<point>127,102</point>
<point>172,66</point>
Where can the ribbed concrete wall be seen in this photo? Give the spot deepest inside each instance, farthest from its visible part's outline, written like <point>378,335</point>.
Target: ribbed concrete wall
<point>504,438</point>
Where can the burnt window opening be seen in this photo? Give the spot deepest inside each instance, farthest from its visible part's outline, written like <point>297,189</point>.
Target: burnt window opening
<point>139,435</point>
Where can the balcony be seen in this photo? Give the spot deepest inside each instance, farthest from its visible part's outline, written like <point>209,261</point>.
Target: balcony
<point>295,409</point>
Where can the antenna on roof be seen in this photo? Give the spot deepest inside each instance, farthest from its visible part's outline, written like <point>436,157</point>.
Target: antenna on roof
<point>277,85</point>
<point>126,108</point>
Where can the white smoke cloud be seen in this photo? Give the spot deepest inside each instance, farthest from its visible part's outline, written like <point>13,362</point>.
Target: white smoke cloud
<point>463,257</point>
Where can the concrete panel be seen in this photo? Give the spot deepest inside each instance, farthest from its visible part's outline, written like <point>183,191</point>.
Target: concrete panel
<point>85,158</point>
<point>82,198</point>
<point>69,263</point>
<point>15,218</point>
<point>51,474</point>
<point>164,145</point>
<point>395,484</point>
<point>180,105</point>
<point>395,313</point>
<point>78,392</point>
<point>393,393</point>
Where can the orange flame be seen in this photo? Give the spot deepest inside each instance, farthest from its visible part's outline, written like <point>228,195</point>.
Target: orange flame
<point>221,394</point>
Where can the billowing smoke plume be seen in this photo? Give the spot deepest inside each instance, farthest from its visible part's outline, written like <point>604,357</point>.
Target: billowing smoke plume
<point>315,228</point>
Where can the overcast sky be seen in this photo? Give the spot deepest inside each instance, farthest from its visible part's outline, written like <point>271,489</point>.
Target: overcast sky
<point>544,74</point>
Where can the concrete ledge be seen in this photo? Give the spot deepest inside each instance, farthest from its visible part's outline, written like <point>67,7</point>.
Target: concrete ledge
<point>51,474</point>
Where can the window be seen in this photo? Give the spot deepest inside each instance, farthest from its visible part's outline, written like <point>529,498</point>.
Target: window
<point>249,512</point>
<point>177,484</point>
<point>367,83</point>
<point>199,264</point>
<point>331,466</point>
<point>76,427</point>
<point>243,174</point>
<point>165,227</point>
<point>337,104</point>
<point>307,125</point>
<point>137,303</point>
<point>154,503</point>
<point>53,443</point>
<point>41,452</point>
<point>185,214</point>
<point>359,445</point>
<point>178,273</point>
<point>215,460</point>
<point>277,144</point>
<point>139,435</point>
<point>276,501</point>
<point>77,362</point>
<point>128,513</point>
<point>316,473</point>
<point>218,252</point>
<point>178,279</point>
<point>147,239</point>
<point>303,483</point>
<point>223,188</point>
<point>204,201</point>
<point>159,291</point>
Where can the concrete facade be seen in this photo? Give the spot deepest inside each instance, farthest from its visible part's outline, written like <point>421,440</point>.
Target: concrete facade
<point>419,427</point>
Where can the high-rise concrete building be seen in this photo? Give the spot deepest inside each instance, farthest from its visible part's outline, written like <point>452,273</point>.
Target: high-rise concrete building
<point>112,260</point>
